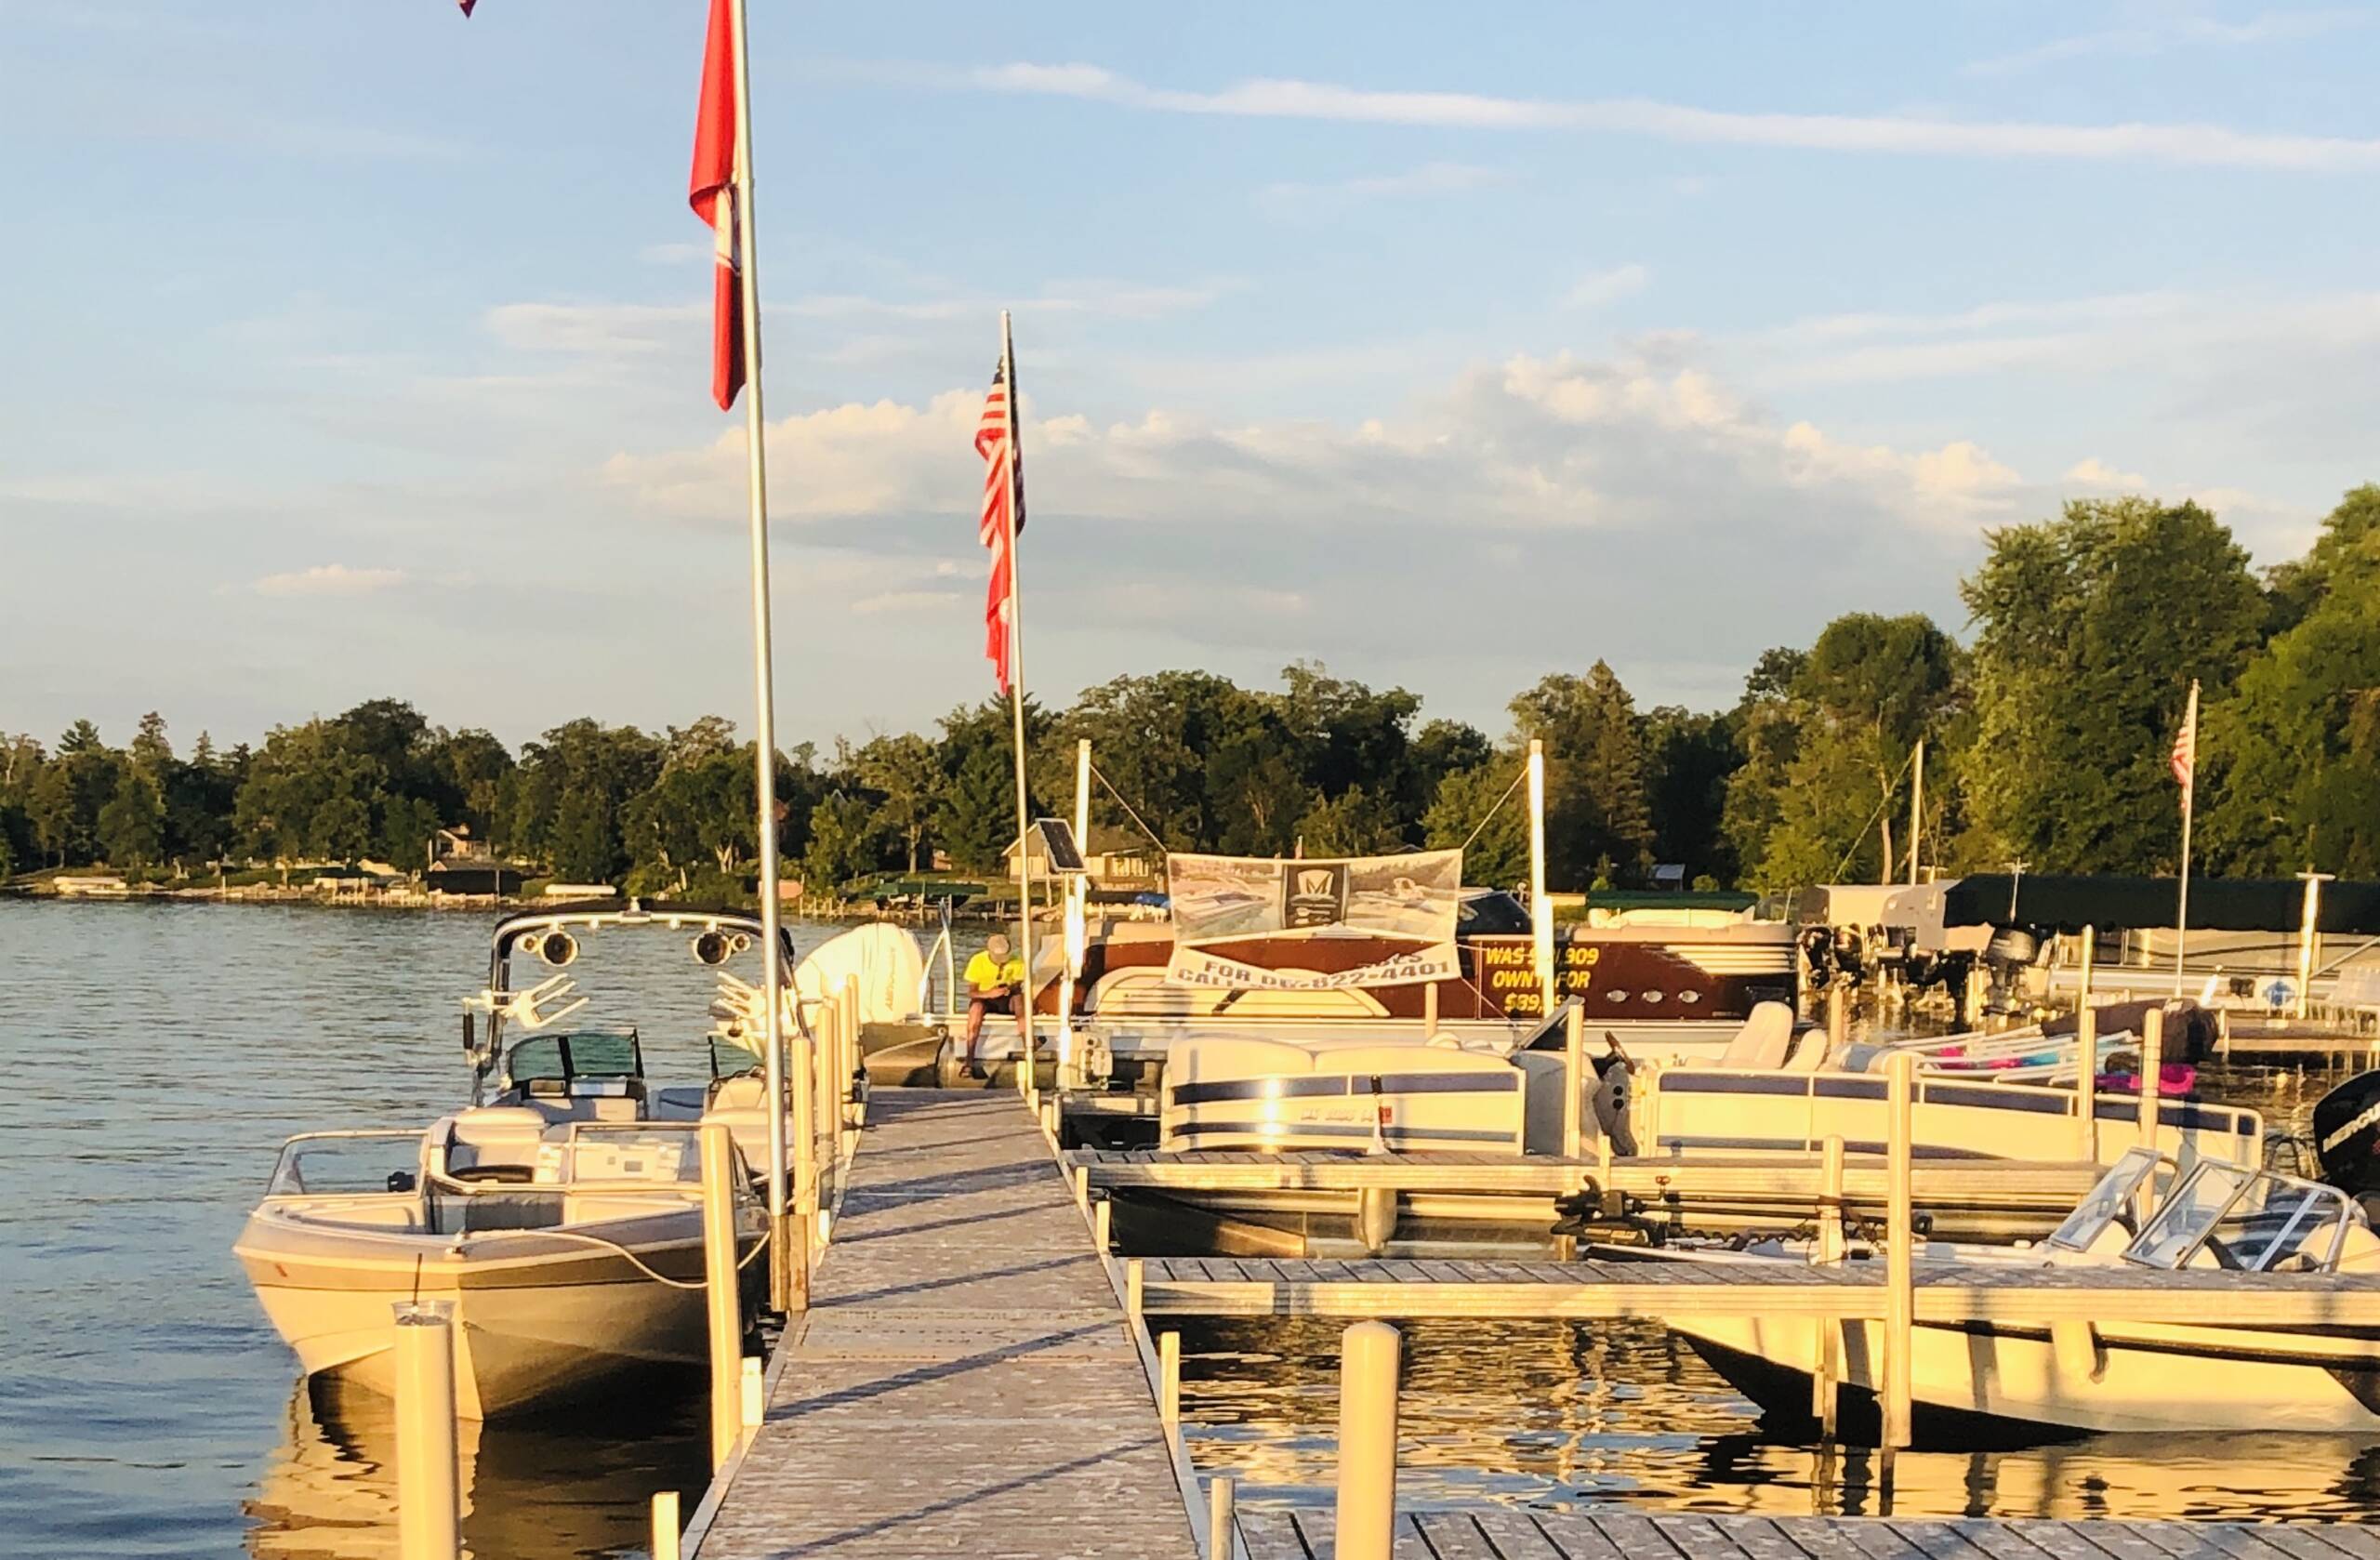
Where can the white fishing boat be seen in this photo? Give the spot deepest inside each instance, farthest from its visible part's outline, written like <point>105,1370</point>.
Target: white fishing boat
<point>1981,1378</point>
<point>559,1212</point>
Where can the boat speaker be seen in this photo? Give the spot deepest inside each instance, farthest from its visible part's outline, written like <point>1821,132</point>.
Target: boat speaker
<point>557,947</point>
<point>713,947</point>
<point>2347,1135</point>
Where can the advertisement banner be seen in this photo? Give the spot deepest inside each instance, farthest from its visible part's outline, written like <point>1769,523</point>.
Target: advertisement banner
<point>1412,898</point>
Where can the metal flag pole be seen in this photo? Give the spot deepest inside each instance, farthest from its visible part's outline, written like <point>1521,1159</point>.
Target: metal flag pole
<point>1541,910</point>
<point>2189,796</point>
<point>1917,809</point>
<point>1016,700</point>
<point>764,677</point>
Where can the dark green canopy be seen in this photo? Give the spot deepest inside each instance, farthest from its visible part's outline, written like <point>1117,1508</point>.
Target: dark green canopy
<point>2067,902</point>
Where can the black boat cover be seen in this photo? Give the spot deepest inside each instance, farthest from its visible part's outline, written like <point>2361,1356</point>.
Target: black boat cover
<point>2070,903</point>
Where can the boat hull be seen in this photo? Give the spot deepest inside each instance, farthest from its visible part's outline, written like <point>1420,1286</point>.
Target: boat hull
<point>545,1323</point>
<point>1989,1380</point>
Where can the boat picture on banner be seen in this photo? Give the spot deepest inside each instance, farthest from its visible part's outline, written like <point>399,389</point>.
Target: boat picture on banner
<point>1406,904</point>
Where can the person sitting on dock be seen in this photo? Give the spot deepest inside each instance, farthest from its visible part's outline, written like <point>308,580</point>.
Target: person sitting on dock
<point>995,983</point>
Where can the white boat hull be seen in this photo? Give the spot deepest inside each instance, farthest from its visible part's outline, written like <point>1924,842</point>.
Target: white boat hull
<point>2117,1378</point>
<point>544,1321</point>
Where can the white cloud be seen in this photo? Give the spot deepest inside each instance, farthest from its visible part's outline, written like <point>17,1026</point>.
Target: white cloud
<point>599,329</point>
<point>1599,287</point>
<point>2161,34</point>
<point>330,579</point>
<point>1291,197</point>
<point>2188,144</point>
<point>2097,474</point>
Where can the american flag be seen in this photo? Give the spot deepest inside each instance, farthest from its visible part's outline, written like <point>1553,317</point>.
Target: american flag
<point>1003,486</point>
<point>2185,746</point>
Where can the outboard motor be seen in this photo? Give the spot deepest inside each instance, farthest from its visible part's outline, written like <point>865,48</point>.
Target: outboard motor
<point>2346,1136</point>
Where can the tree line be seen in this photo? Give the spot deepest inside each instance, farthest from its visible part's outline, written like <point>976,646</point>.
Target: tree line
<point>2047,735</point>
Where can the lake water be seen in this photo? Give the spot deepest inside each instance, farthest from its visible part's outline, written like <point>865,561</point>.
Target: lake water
<point>160,1053</point>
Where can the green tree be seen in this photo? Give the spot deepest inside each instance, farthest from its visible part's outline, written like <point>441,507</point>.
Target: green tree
<point>2291,763</point>
<point>1354,823</point>
<point>2090,629</point>
<point>845,842</point>
<point>132,824</point>
<point>1767,722</point>
<point>1689,758</point>
<point>1480,812</point>
<point>2300,586</point>
<point>907,774</point>
<point>1595,804</point>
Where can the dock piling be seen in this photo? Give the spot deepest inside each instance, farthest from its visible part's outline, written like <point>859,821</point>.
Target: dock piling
<point>1168,1383</point>
<point>847,1064</point>
<point>721,1304</point>
<point>1430,1011</point>
<point>1101,1222</point>
<point>429,1506</point>
<point>1829,1254</point>
<point>1367,1509</point>
<point>2086,1085</point>
<point>1900,1234</point>
<point>1222,1519</point>
<point>1574,1098</point>
<point>2152,1093</point>
<point>666,1529</point>
<point>1838,1016</point>
<point>1135,1285</point>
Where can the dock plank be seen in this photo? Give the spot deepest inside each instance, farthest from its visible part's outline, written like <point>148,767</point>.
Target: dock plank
<point>952,1383</point>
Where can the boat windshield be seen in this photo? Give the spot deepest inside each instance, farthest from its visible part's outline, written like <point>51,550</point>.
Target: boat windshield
<point>2112,1201</point>
<point>588,1053</point>
<point>338,1163</point>
<point>2252,1221</point>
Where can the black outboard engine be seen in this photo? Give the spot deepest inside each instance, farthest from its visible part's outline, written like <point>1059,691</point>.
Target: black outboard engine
<point>2347,1135</point>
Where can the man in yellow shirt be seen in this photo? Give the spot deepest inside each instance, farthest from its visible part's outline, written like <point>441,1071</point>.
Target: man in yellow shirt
<point>995,983</point>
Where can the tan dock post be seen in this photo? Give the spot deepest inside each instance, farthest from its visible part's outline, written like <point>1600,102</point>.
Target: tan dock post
<point>721,1302</point>
<point>751,1393</point>
<point>1367,1516</point>
<point>1082,1187</point>
<point>2152,1062</point>
<point>1135,1285</point>
<point>850,1059</point>
<point>666,1531</point>
<point>1222,1519</point>
<point>1574,1097</point>
<point>1830,1252</point>
<point>1900,1234</point>
<point>2087,1086</point>
<point>802,1131</point>
<point>1838,1017</point>
<point>1168,1379</point>
<point>1102,1219</point>
<point>1430,1011</point>
<point>2082,975</point>
<point>429,1498</point>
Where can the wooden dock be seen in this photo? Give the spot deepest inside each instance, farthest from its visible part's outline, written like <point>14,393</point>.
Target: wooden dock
<point>1658,1291</point>
<point>964,1381</point>
<point>1637,1535</point>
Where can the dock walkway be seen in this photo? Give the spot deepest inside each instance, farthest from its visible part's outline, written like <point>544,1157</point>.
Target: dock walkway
<point>963,1382</point>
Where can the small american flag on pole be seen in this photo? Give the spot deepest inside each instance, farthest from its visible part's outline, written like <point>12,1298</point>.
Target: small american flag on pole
<point>2186,747</point>
<point>1004,518</point>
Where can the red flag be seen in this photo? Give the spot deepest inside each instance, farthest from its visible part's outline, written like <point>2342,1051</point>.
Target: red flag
<point>711,191</point>
<point>467,6</point>
<point>1003,485</point>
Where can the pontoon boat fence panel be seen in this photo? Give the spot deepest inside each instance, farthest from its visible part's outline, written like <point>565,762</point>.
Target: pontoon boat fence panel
<point>1413,897</point>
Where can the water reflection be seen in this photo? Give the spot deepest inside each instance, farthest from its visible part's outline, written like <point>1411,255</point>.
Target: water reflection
<point>1556,1415</point>
<point>562,1487</point>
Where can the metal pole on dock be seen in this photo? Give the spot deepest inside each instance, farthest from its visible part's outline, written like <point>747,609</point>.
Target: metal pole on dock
<point>1916,806</point>
<point>1900,1235</point>
<point>1070,1068</point>
<point>801,1132</point>
<point>1541,914</point>
<point>430,1500</point>
<point>1014,512</point>
<point>1366,1515</point>
<point>722,1305</point>
<point>1574,1094</point>
<point>667,1533</point>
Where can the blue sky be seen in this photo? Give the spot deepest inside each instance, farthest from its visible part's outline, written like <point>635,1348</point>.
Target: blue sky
<point>360,349</point>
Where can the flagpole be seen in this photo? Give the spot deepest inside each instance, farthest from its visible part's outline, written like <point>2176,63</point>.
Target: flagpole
<point>1016,697</point>
<point>783,1262</point>
<point>2190,798</point>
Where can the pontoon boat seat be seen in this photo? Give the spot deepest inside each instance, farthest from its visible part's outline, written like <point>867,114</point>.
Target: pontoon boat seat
<point>1810,1051</point>
<point>1761,1044</point>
